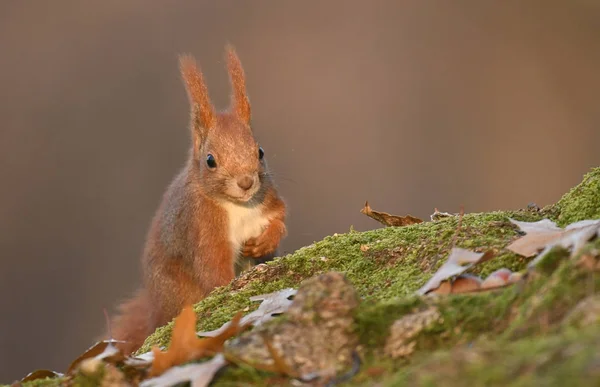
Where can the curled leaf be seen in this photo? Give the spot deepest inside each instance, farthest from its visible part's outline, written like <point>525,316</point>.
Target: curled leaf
<point>389,220</point>
<point>272,304</point>
<point>102,350</point>
<point>545,234</point>
<point>40,374</point>
<point>197,374</point>
<point>186,346</point>
<point>458,262</point>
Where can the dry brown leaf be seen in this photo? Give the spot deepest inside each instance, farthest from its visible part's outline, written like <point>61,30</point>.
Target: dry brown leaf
<point>545,234</point>
<point>40,374</point>
<point>463,283</point>
<point>497,279</point>
<point>272,304</point>
<point>389,220</point>
<point>197,374</point>
<point>103,350</point>
<point>458,262</point>
<point>186,346</point>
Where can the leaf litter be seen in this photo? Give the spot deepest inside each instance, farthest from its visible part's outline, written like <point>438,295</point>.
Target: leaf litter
<point>459,261</point>
<point>197,374</point>
<point>272,304</point>
<point>540,237</point>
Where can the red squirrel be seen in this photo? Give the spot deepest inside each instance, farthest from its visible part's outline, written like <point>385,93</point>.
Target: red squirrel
<point>222,205</point>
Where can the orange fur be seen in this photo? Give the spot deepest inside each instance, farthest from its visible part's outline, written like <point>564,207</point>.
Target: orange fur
<point>240,104</point>
<point>209,216</point>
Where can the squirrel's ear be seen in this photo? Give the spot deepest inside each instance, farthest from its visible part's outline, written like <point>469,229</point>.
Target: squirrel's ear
<point>202,110</point>
<point>239,100</point>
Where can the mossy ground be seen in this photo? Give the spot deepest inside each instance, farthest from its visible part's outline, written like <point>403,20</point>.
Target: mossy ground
<point>510,336</point>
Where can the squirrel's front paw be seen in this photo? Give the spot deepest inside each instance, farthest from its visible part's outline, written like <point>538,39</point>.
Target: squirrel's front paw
<point>265,244</point>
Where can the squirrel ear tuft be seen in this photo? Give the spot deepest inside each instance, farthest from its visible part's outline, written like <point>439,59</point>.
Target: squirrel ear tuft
<point>239,99</point>
<point>202,110</point>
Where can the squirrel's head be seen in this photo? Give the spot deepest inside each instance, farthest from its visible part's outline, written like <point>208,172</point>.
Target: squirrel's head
<point>229,160</point>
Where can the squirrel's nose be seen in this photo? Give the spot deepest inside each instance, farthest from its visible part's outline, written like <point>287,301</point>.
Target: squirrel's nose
<point>245,182</point>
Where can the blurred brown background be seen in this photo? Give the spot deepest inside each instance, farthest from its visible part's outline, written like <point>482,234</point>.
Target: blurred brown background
<point>409,104</point>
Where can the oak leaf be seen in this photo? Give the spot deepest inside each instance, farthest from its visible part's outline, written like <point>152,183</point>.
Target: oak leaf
<point>545,234</point>
<point>186,346</point>
<point>103,350</point>
<point>458,262</point>
<point>389,220</point>
<point>197,374</point>
<point>272,305</point>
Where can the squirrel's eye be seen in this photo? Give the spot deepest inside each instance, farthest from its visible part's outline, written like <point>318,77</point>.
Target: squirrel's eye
<point>210,161</point>
<point>261,153</point>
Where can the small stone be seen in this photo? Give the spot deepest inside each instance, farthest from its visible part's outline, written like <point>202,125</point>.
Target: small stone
<point>401,341</point>
<point>316,337</point>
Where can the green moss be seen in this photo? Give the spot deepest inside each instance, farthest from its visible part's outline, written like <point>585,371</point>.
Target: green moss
<point>570,358</point>
<point>511,336</point>
<point>382,264</point>
<point>46,382</point>
<point>580,203</point>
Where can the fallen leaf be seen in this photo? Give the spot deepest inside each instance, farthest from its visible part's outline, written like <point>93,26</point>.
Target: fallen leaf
<point>515,277</point>
<point>272,304</point>
<point>389,220</point>
<point>463,283</point>
<point>458,262</point>
<point>438,215</point>
<point>186,346</point>
<point>102,350</point>
<point>545,234</point>
<point>40,374</point>
<point>494,281</point>
<point>197,374</point>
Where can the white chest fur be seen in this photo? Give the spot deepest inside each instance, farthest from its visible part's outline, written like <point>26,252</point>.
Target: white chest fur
<point>244,223</point>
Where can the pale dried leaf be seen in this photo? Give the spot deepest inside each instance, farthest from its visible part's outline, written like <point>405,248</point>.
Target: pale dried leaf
<point>458,262</point>
<point>102,350</point>
<point>272,304</point>
<point>538,235</point>
<point>544,235</point>
<point>197,374</point>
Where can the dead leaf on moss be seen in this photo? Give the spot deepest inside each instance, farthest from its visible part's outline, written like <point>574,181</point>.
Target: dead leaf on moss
<point>272,304</point>
<point>389,220</point>
<point>40,374</point>
<point>186,346</point>
<point>497,279</point>
<point>197,374</point>
<point>103,350</point>
<point>458,262</point>
<point>439,215</point>
<point>545,234</point>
